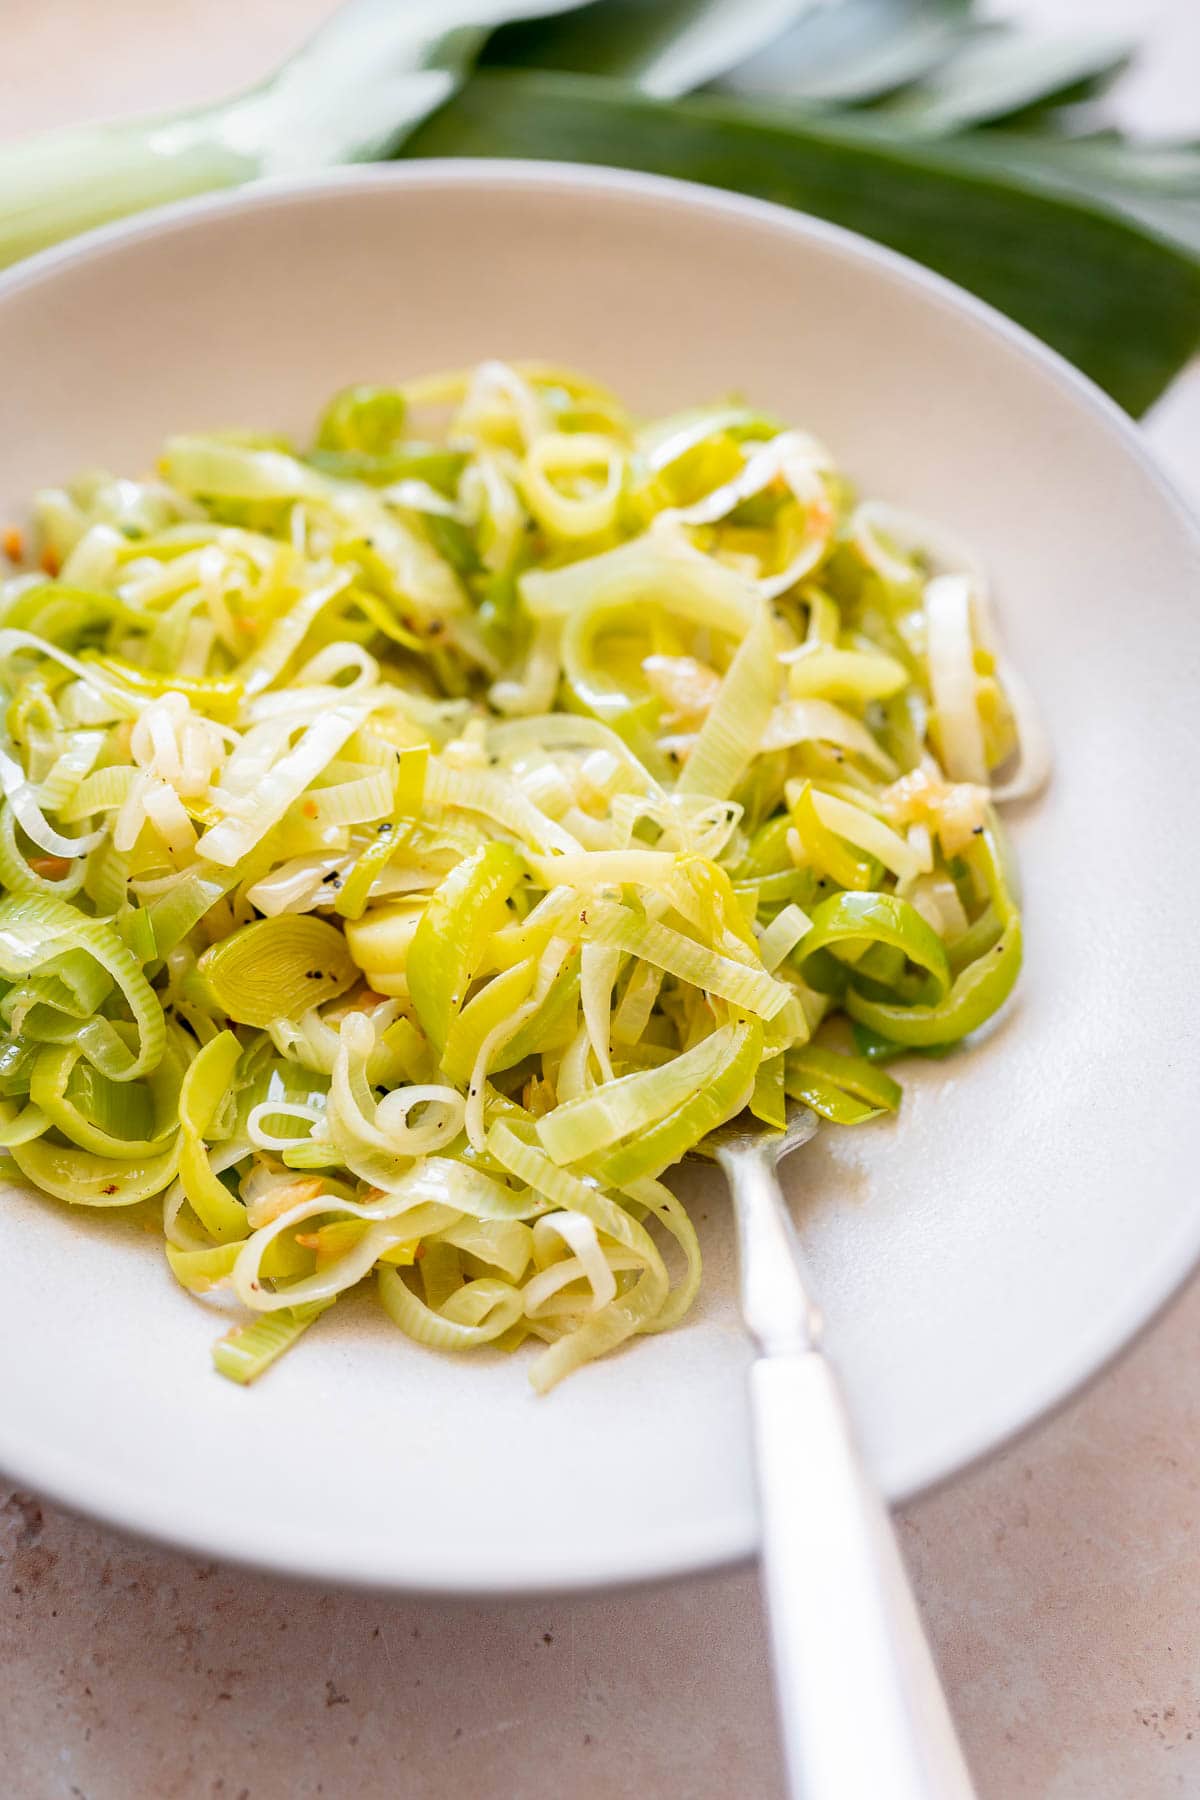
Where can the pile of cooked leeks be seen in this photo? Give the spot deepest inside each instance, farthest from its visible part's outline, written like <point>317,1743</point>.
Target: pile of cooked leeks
<point>413,845</point>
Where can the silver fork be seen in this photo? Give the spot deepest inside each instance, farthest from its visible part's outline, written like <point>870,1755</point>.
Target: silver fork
<point>861,1706</point>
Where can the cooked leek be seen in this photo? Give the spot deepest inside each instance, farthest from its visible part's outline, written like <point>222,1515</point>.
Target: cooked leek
<point>410,853</point>
<point>277,969</point>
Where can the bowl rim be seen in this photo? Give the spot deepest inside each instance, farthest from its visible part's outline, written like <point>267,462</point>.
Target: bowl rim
<point>1116,1331</point>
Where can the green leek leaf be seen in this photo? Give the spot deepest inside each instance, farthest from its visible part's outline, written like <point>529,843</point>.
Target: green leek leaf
<point>1000,73</point>
<point>855,51</point>
<point>668,47</point>
<point>1156,186</point>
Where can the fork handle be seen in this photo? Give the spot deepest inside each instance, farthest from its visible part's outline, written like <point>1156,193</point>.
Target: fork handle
<point>862,1709</point>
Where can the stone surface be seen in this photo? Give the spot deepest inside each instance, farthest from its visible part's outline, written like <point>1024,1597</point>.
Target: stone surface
<point>1061,1581</point>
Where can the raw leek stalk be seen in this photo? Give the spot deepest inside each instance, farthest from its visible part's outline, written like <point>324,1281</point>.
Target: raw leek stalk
<point>352,93</point>
<point>371,954</point>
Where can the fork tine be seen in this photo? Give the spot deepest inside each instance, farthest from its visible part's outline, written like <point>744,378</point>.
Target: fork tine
<point>738,1136</point>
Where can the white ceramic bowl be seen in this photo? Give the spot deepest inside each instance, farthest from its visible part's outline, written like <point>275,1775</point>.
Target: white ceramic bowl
<point>1035,1202</point>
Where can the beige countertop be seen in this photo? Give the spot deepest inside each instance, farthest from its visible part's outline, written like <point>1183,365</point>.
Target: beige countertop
<point>1061,1581</point>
